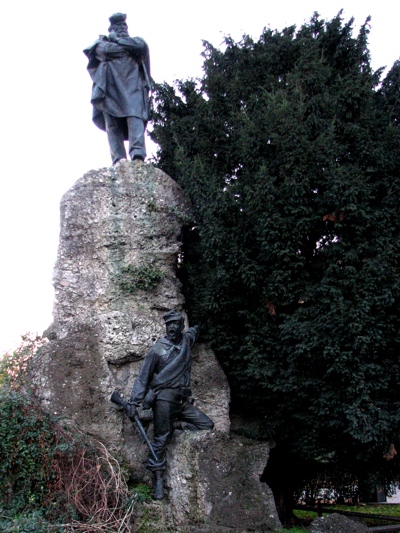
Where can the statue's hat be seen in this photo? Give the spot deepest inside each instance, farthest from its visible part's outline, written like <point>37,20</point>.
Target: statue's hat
<point>172,315</point>
<point>117,17</point>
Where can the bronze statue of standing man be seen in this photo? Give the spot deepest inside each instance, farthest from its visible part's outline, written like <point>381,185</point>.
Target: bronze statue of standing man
<point>119,66</point>
<point>163,384</point>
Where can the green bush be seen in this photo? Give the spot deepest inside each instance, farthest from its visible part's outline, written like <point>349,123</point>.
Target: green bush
<point>28,442</point>
<point>49,474</point>
<point>33,522</point>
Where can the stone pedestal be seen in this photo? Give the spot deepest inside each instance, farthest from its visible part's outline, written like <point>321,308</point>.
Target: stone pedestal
<point>213,485</point>
<point>114,278</point>
<point>214,481</point>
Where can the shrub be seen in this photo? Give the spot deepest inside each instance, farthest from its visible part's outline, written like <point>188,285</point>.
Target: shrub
<point>28,443</point>
<point>74,481</point>
<point>13,364</point>
<point>33,522</point>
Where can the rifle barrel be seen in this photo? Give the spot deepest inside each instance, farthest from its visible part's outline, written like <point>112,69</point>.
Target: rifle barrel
<point>117,399</point>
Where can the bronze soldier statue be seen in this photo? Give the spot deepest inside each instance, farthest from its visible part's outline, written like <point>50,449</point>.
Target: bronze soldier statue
<point>163,384</point>
<point>119,66</point>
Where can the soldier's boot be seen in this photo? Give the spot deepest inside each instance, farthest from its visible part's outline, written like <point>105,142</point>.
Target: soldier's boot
<point>158,485</point>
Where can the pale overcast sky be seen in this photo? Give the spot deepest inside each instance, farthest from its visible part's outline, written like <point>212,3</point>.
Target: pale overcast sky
<point>48,139</point>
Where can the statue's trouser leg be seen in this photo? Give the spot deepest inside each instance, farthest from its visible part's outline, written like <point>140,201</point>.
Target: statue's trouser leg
<point>193,419</point>
<point>136,129</point>
<point>115,135</point>
<point>164,414</point>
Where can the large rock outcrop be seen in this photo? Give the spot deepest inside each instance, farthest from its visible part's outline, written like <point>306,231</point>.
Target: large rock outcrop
<point>214,487</point>
<point>214,479</point>
<point>114,278</point>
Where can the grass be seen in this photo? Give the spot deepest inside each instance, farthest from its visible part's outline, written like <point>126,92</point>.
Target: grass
<point>385,509</point>
<point>390,509</point>
<point>297,529</point>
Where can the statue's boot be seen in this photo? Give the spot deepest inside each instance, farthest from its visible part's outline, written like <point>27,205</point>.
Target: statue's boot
<point>158,485</point>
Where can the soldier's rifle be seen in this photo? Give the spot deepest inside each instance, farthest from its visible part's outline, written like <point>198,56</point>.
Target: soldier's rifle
<point>117,399</point>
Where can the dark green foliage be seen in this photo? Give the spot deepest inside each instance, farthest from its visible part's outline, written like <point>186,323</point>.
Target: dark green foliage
<point>28,446</point>
<point>289,150</point>
<point>143,278</point>
<point>53,479</point>
<point>142,493</point>
<point>32,522</point>
<point>49,477</point>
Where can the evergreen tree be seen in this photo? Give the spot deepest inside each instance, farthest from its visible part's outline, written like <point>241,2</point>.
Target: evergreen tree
<point>289,150</point>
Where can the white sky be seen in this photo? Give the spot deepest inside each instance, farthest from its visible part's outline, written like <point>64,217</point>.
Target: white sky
<point>48,138</point>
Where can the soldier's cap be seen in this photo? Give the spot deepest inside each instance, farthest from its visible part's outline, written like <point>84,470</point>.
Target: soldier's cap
<point>117,17</point>
<point>172,315</point>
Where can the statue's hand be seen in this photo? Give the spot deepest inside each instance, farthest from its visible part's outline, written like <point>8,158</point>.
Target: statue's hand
<point>131,410</point>
<point>112,36</point>
<point>149,399</point>
<point>197,329</point>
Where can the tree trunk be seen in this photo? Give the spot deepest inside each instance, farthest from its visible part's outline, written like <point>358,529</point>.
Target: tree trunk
<point>280,476</point>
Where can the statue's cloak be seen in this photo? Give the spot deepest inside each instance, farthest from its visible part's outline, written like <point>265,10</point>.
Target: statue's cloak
<point>121,79</point>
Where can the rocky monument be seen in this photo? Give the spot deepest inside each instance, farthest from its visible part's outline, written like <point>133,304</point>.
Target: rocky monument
<point>114,278</point>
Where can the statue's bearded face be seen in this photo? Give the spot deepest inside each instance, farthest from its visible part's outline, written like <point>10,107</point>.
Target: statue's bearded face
<point>121,29</point>
<point>174,330</point>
